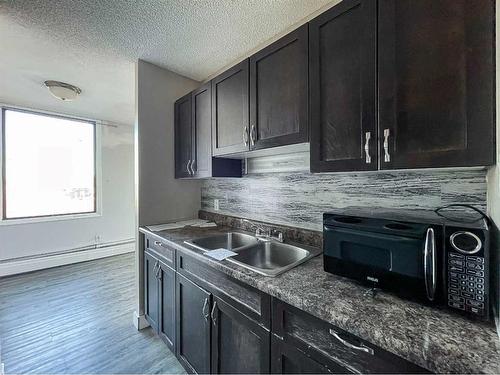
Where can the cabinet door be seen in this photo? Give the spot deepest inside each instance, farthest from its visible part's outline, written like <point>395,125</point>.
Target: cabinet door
<point>230,110</point>
<point>239,344</point>
<point>286,359</point>
<point>342,73</point>
<point>436,74</point>
<point>193,326</point>
<point>202,131</point>
<point>151,302</point>
<point>183,137</point>
<point>278,92</point>
<point>166,276</point>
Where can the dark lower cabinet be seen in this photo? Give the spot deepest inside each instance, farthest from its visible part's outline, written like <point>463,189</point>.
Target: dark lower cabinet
<point>436,83</point>
<point>151,285</point>
<point>332,347</point>
<point>211,329</point>
<point>342,74</point>
<point>159,295</point>
<point>193,326</point>
<point>287,359</point>
<point>166,319</point>
<point>239,344</point>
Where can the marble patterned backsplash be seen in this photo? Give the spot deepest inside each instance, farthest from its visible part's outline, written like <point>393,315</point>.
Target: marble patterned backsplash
<point>300,198</point>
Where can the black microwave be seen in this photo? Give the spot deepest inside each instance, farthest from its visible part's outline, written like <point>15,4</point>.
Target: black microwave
<point>416,254</point>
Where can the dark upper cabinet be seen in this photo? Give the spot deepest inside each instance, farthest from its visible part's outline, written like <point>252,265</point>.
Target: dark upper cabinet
<point>202,134</point>
<point>278,92</point>
<point>193,326</point>
<point>184,137</point>
<point>151,288</point>
<point>166,299</point>
<point>436,83</point>
<point>239,344</point>
<point>342,74</point>
<point>193,139</point>
<point>230,115</point>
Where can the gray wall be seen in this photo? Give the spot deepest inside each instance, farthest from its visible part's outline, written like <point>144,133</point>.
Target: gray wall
<point>300,198</point>
<point>159,196</point>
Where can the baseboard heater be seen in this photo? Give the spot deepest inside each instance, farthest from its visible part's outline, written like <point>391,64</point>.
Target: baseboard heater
<point>76,255</point>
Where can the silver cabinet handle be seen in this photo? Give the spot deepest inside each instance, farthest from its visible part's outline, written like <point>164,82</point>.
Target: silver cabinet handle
<point>361,348</point>
<point>192,169</point>
<point>158,243</point>
<point>158,269</point>
<point>155,269</point>
<point>159,274</point>
<point>430,264</point>
<point>205,310</point>
<point>253,135</point>
<point>387,156</point>
<point>212,314</point>
<point>187,166</point>
<point>245,135</point>
<point>368,158</point>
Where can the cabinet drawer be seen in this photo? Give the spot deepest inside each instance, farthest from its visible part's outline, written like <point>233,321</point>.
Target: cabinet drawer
<point>287,359</point>
<point>160,248</point>
<point>320,339</point>
<point>252,302</point>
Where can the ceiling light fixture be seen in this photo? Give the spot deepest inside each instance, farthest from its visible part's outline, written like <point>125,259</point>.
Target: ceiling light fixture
<point>63,91</point>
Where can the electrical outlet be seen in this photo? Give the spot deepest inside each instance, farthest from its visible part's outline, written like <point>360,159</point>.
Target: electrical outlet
<point>216,204</point>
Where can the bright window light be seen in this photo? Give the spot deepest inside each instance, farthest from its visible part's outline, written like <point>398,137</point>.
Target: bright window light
<point>49,165</point>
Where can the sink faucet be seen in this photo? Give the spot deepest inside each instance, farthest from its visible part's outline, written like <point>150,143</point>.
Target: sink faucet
<point>262,232</point>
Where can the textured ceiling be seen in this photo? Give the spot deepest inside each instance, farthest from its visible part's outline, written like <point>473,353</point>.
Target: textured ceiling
<point>94,43</point>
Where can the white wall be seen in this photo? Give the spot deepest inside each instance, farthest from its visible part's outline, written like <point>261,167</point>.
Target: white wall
<point>116,224</point>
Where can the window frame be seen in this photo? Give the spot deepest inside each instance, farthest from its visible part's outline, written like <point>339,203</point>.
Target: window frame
<point>53,217</point>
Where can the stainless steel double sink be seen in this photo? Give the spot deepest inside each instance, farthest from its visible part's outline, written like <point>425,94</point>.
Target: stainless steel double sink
<point>262,255</point>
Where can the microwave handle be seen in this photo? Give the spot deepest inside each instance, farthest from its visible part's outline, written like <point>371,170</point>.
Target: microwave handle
<point>430,264</point>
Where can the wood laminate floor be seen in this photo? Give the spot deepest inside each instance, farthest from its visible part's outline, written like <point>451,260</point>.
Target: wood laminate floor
<point>78,319</point>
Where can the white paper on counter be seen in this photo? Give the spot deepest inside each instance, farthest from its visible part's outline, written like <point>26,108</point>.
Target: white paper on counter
<point>179,224</point>
<point>220,254</point>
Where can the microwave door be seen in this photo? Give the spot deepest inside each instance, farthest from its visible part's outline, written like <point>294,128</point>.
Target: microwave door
<point>430,264</point>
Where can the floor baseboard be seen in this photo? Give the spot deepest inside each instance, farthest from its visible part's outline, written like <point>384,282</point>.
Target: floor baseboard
<point>17,266</point>
<point>140,321</point>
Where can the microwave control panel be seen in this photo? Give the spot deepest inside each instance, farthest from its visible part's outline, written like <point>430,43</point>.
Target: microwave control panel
<point>467,281</point>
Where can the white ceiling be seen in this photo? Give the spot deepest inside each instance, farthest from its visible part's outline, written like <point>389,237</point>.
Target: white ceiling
<point>94,43</point>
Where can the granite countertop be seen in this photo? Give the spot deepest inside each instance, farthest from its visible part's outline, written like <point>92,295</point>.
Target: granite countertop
<point>433,338</point>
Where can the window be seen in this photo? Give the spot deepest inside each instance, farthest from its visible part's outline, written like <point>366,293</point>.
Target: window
<point>48,165</point>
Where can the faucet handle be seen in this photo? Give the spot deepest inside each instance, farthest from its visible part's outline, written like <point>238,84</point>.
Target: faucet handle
<point>277,234</point>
